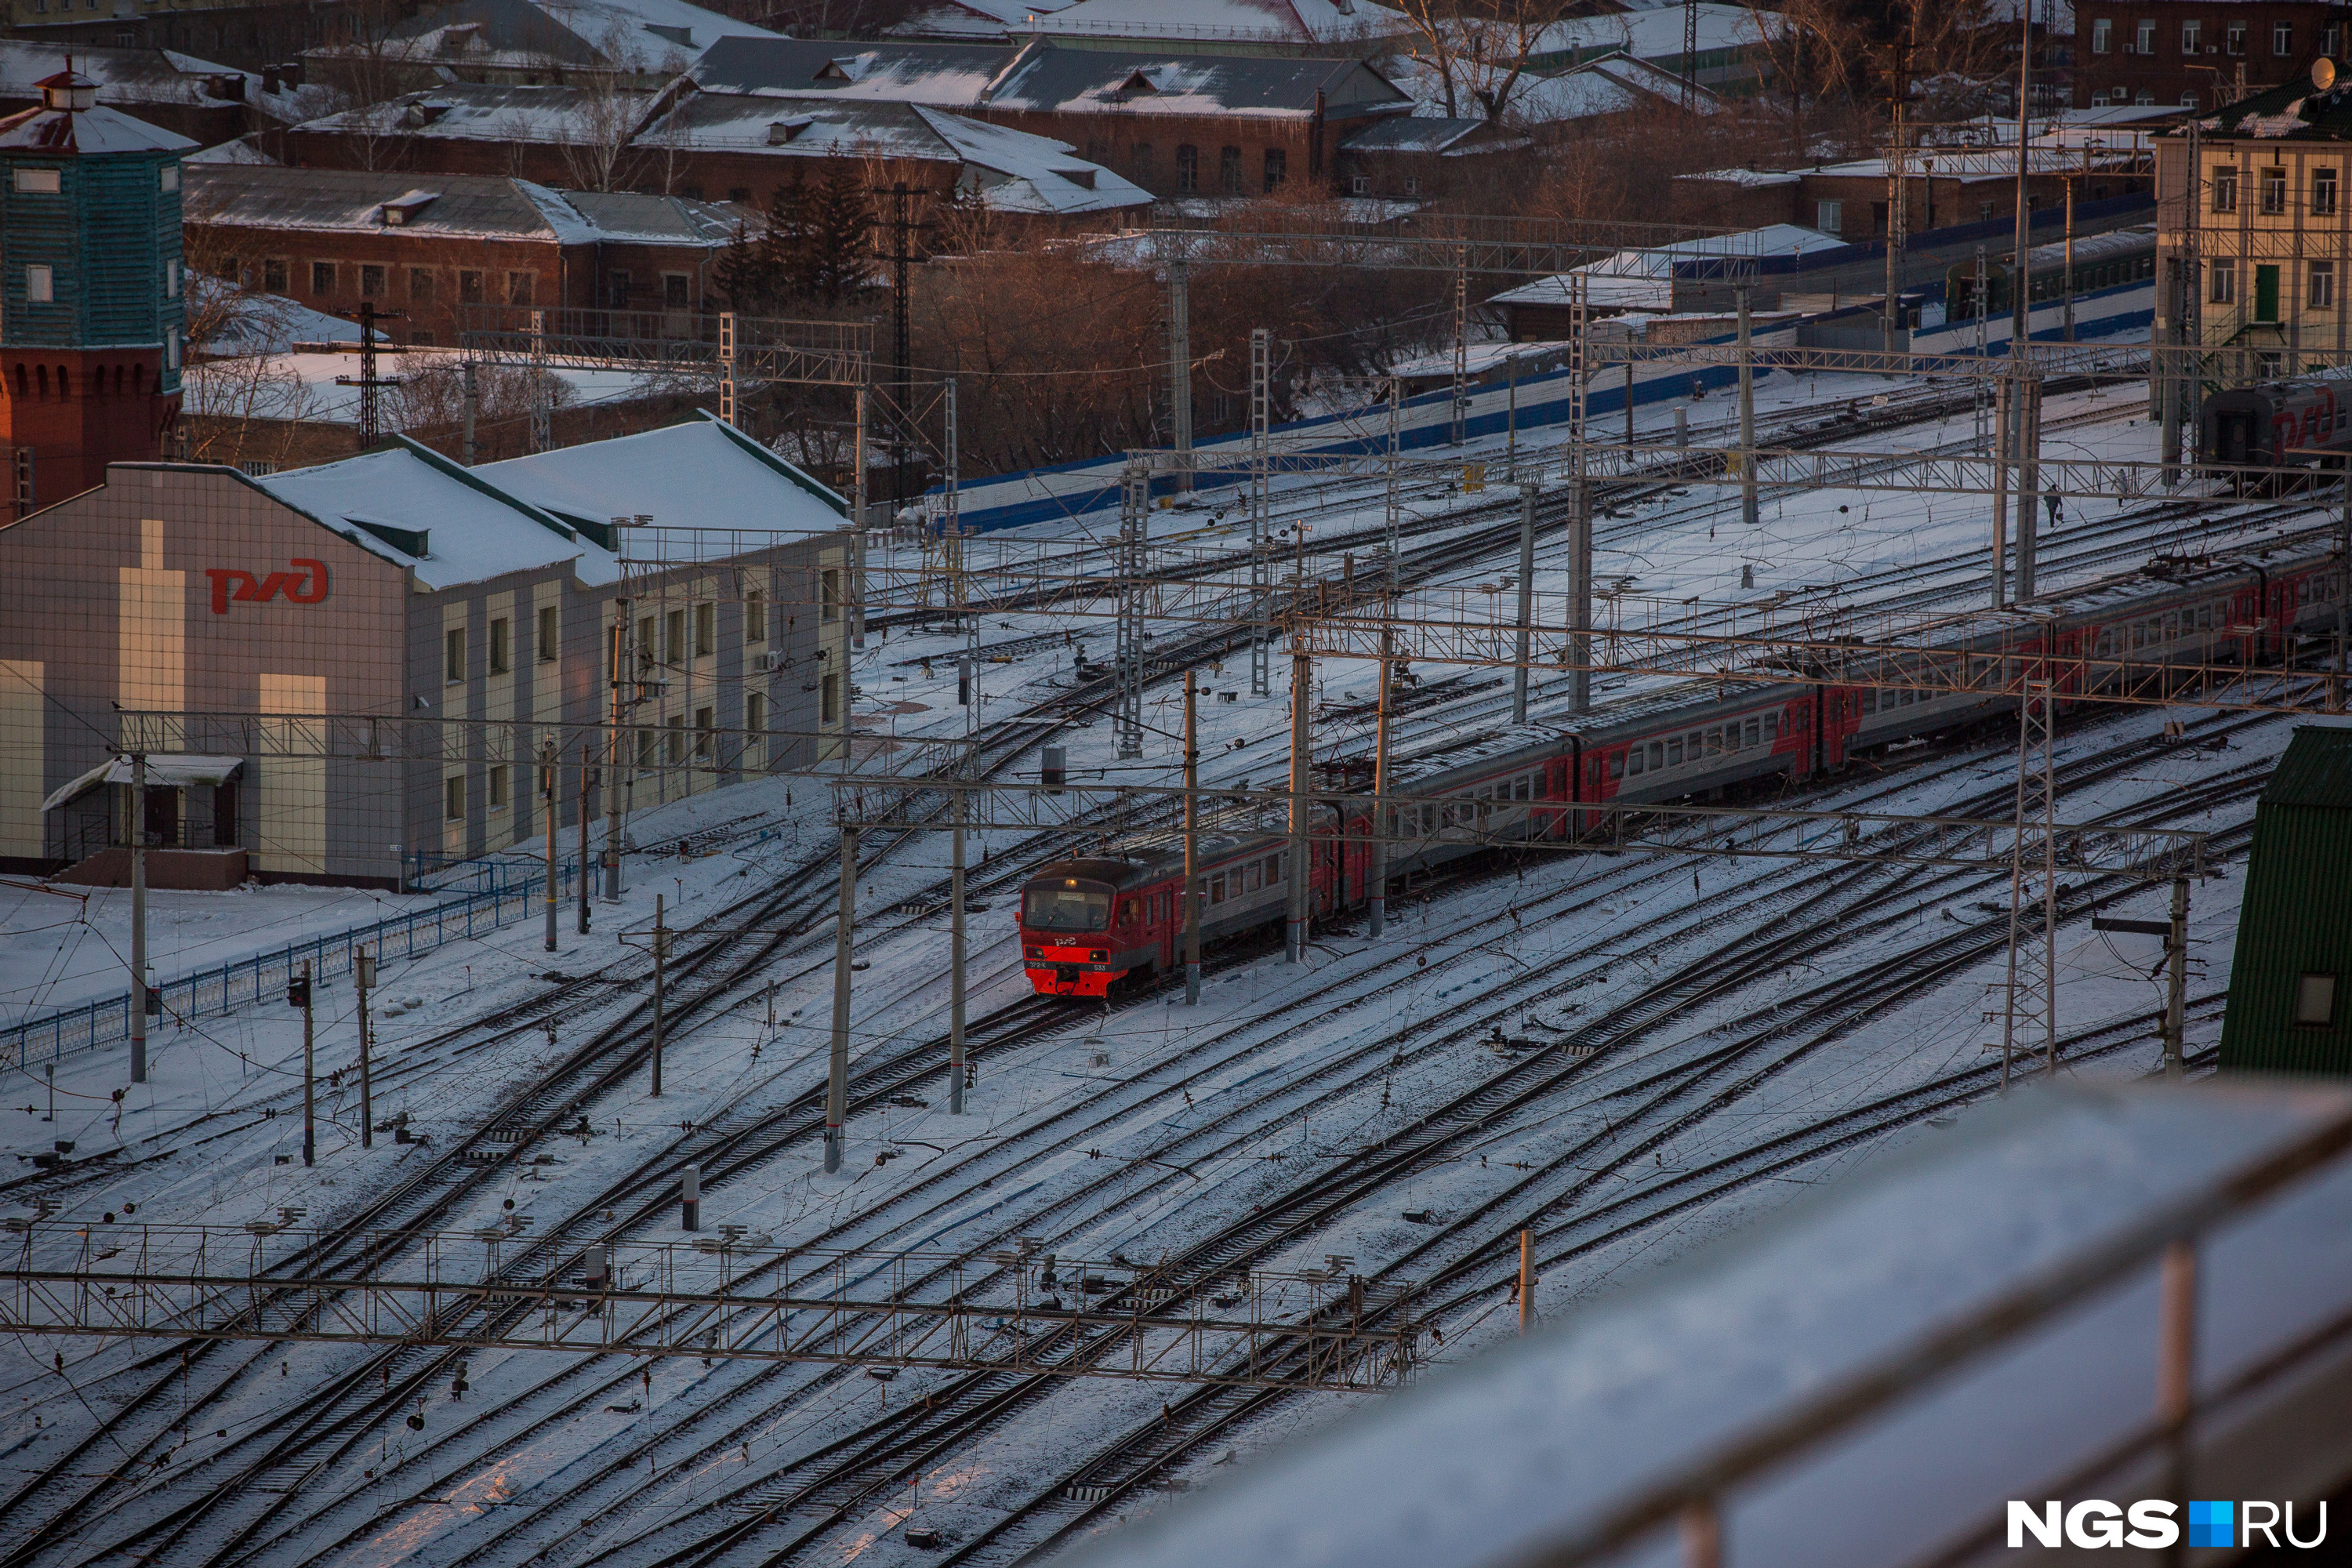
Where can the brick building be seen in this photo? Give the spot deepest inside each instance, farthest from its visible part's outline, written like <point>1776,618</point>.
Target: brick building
<point>399,583</point>
<point>2198,54</point>
<point>204,102</point>
<point>527,42</point>
<point>426,246</point>
<point>1942,188</point>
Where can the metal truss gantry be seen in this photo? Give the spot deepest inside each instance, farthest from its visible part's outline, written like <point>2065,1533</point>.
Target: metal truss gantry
<point>734,1294</point>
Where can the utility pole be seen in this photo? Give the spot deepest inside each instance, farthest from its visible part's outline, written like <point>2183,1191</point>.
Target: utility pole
<point>1261,395</point>
<point>836,1080</point>
<point>2004,394</point>
<point>902,384</point>
<point>1191,850</point>
<point>1461,341</point>
<point>371,384</point>
<point>2069,259</point>
<point>2027,400</point>
<point>2343,593</point>
<point>1898,92</point>
<point>661,953</point>
<point>624,677</point>
<point>1302,675</point>
<point>1527,600</point>
<point>1179,370</point>
<point>139,917</point>
<point>363,982</point>
<point>726,367</point>
<point>1526,1280</point>
<point>2175,989</point>
<point>1134,561</point>
<point>299,994</point>
<point>1748,514</point>
<point>553,800</point>
<point>955,969</point>
<point>542,406</point>
<point>2020,271</point>
<point>1580,595</point>
<point>473,406</point>
<point>587,782</point>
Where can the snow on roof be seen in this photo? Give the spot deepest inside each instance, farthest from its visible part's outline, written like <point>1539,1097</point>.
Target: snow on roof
<point>993,19</point>
<point>1418,134</point>
<point>1272,21</point>
<point>469,205</point>
<point>495,111</point>
<point>1973,166</point>
<point>1049,80</point>
<point>1511,1453</point>
<point>528,35</point>
<point>1657,34</point>
<point>699,474</point>
<point>1643,279</point>
<point>1752,178</point>
<point>243,150</point>
<point>474,530</point>
<point>88,132</point>
<point>123,76</point>
<point>1038,174</point>
<point>223,319</point>
<point>945,76</point>
<point>804,128</point>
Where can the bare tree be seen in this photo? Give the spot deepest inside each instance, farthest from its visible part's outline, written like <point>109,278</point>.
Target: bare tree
<point>1477,55</point>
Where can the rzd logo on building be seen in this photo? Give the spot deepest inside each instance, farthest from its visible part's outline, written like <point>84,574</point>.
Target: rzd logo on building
<point>307,584</point>
<point>2150,1523</point>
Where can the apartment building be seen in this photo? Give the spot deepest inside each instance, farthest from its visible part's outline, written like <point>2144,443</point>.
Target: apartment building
<point>2198,54</point>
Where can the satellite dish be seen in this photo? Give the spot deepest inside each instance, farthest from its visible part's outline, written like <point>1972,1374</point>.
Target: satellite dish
<point>2323,73</point>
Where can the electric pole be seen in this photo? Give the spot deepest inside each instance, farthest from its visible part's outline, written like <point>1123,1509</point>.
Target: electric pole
<point>364,981</point>
<point>298,993</point>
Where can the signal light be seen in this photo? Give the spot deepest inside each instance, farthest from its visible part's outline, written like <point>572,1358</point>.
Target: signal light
<point>298,992</point>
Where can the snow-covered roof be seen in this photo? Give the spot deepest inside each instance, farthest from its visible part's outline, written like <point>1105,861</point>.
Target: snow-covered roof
<point>1032,174</point>
<point>86,131</point>
<point>978,19</point>
<point>165,770</point>
<point>242,150</point>
<point>1046,79</point>
<point>223,319</point>
<point>475,206</point>
<point>1643,279</point>
<point>473,530</point>
<point>699,474</point>
<point>499,111</point>
<point>535,35</point>
<point>1753,179</point>
<point>1420,133</point>
<point>1514,1454</point>
<point>136,78</point>
<point>1294,22</point>
<point>1657,34</point>
<point>945,75</point>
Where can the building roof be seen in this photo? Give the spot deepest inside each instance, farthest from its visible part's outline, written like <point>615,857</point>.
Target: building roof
<point>472,112</point>
<point>471,530</point>
<point>1643,279</point>
<point>699,474</point>
<point>1522,1453</point>
<point>87,132</point>
<point>469,205</point>
<point>1032,174</point>
<point>1272,22</point>
<point>1048,79</point>
<point>525,36</point>
<point>136,78</point>
<point>2293,113</point>
<point>989,19</point>
<point>1657,35</point>
<point>944,75</point>
<point>1419,134</point>
<point>2316,770</point>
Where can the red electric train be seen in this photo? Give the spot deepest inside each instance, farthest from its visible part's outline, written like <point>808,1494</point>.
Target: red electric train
<point>1090,924</point>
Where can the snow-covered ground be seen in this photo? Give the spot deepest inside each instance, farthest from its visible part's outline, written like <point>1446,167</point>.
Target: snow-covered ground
<point>1144,1130</point>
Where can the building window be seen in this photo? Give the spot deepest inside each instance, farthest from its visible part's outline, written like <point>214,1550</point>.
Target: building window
<point>1278,169</point>
<point>453,798</point>
<point>2224,272</point>
<point>828,595</point>
<point>829,701</point>
<point>755,616</point>
<point>2147,96</point>
<point>453,655</point>
<point>644,748</point>
<point>499,660</point>
<point>40,285</point>
<point>2282,38</point>
<point>705,630</point>
<point>674,740</point>
<point>1228,171</point>
<point>1830,217</point>
<point>498,789</point>
<point>2190,38</point>
<point>2273,190</point>
<point>2102,34</point>
<point>2322,292</point>
<point>2323,193</point>
<point>519,287</point>
<point>167,179</point>
<point>2188,97</point>
<point>38,182</point>
<point>1361,185</point>
<point>2225,188</point>
<point>1188,170</point>
<point>273,277</point>
<point>469,288</point>
<point>2315,1002</point>
<point>755,712</point>
<point>2233,39</point>
<point>2143,37</point>
<point>674,647</point>
<point>371,281</point>
<point>1140,156</point>
<point>322,278</point>
<point>420,285</point>
<point>616,288</point>
<point>550,633</point>
<point>702,733</point>
<point>673,290</point>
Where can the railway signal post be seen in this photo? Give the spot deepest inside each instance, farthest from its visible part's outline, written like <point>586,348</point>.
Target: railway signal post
<point>364,981</point>
<point>955,970</point>
<point>837,1078</point>
<point>1191,894</point>
<point>1302,674</point>
<point>1376,877</point>
<point>139,917</point>
<point>298,992</point>
<point>1526,599</point>
<point>661,951</point>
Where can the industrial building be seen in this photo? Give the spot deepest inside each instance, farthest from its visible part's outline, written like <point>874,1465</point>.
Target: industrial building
<point>399,583</point>
<point>2288,1009</point>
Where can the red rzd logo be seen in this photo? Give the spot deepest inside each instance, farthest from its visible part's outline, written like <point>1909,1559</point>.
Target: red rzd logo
<point>305,586</point>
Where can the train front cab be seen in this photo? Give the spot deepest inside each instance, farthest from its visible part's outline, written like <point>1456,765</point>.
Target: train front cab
<point>1065,935</point>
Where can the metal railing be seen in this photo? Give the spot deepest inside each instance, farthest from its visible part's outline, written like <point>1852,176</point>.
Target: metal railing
<point>216,992</point>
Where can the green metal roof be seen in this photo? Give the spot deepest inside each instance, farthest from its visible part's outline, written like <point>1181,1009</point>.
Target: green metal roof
<point>2316,772</point>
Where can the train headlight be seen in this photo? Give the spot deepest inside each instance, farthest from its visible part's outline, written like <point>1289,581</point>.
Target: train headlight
<point>1099,955</point>
<point>1036,952</point>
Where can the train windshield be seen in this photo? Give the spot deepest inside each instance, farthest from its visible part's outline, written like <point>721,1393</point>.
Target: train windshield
<point>1066,908</point>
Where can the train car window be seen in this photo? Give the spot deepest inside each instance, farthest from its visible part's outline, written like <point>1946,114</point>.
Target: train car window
<point>1526,790</point>
<point>1658,755</point>
<point>1755,731</point>
<point>1217,889</point>
<point>1067,908</point>
<point>1617,764</point>
<point>1633,758</point>
<point>1251,876</point>
<point>1274,868</point>
<point>1674,751</point>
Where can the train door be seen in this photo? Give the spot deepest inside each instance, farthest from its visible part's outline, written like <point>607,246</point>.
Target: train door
<point>2068,653</point>
<point>2234,435</point>
<point>2246,615</point>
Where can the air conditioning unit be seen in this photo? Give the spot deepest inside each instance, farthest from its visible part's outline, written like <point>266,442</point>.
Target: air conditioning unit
<point>768,663</point>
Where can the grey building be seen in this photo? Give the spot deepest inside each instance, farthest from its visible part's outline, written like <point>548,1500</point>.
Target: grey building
<point>396,583</point>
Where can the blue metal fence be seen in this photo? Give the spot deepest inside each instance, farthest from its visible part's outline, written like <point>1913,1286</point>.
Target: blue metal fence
<point>211,993</point>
